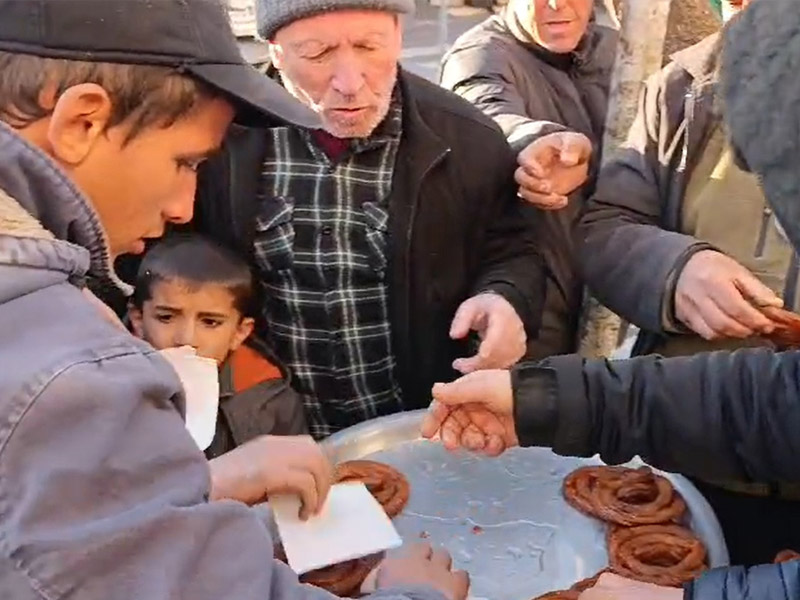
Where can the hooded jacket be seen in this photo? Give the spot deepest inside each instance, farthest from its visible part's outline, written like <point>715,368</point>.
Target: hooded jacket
<point>103,493</point>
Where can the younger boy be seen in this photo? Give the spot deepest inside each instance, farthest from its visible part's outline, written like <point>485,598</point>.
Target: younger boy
<point>191,292</point>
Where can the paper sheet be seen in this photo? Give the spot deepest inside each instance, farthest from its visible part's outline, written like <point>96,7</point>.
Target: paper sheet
<point>351,525</point>
<point>200,379</point>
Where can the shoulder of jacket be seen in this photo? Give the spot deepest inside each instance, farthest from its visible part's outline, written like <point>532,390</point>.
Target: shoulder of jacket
<point>486,46</point>
<point>440,107</point>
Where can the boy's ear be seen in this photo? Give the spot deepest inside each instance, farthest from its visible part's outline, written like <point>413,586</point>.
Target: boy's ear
<point>243,331</point>
<point>135,317</point>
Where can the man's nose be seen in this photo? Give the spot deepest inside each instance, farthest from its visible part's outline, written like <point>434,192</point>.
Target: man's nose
<point>180,209</point>
<point>348,77</point>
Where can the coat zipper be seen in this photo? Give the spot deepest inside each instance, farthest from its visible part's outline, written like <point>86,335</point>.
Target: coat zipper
<point>761,243</point>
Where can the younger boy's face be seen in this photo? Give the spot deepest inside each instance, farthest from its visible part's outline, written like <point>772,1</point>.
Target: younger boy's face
<point>201,316</point>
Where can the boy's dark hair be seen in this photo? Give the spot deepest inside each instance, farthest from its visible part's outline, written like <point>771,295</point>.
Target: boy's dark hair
<point>195,260</point>
<point>148,95</point>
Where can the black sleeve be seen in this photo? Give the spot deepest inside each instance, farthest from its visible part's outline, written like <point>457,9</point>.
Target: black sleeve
<point>723,415</point>
<point>510,262</point>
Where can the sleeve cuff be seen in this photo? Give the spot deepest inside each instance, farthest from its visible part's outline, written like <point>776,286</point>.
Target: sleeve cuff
<point>531,131</point>
<point>535,404</point>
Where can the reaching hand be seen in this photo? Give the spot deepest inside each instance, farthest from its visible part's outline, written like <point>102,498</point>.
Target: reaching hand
<point>270,465</point>
<point>422,565</point>
<point>552,167</point>
<point>715,298</point>
<point>502,333</point>
<point>474,412</point>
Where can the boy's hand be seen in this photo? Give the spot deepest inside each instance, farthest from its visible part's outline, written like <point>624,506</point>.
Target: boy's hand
<point>270,465</point>
<point>421,564</point>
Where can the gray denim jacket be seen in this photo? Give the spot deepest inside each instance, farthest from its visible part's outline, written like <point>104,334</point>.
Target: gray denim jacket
<point>103,493</point>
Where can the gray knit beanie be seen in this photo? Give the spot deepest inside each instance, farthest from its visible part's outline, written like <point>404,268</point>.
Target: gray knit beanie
<point>274,14</point>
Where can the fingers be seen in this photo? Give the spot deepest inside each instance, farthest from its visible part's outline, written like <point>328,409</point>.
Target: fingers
<point>720,323</point>
<point>536,157</point>
<point>473,438</point>
<point>441,559</point>
<point>755,291</point>
<point>302,483</point>
<point>576,148</point>
<point>528,182</point>
<point>450,434</point>
<point>495,446</point>
<point>322,472</point>
<point>468,365</point>
<point>694,321</point>
<point>729,314</point>
<point>421,550</point>
<point>502,343</point>
<point>461,583</point>
<point>432,422</point>
<point>544,201</point>
<point>468,313</point>
<point>307,456</point>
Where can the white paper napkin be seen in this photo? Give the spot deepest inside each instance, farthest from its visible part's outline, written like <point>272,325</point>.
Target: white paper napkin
<point>200,379</point>
<point>351,525</point>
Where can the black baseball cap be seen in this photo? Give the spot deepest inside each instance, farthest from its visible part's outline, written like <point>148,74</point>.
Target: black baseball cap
<point>192,36</point>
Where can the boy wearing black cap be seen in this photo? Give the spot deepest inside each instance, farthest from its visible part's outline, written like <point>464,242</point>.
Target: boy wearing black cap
<point>106,110</point>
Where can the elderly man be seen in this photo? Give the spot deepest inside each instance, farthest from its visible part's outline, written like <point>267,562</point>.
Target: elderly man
<point>727,416</point>
<point>679,239</point>
<point>106,111</point>
<point>541,70</point>
<point>385,243</point>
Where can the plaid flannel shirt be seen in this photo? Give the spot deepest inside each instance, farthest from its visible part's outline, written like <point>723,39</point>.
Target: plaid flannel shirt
<point>321,243</point>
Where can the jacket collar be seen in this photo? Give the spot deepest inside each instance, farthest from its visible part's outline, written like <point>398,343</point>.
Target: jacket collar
<point>53,204</point>
<point>425,146</point>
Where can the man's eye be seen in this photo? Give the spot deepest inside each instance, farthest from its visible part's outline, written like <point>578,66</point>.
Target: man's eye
<point>192,165</point>
<point>211,323</point>
<point>318,55</point>
<point>163,318</point>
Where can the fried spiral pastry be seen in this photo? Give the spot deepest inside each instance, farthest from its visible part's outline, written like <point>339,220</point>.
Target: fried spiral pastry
<point>787,327</point>
<point>786,556</point>
<point>667,555</point>
<point>389,487</point>
<point>343,579</point>
<point>560,595</point>
<point>623,496</point>
<point>575,591</point>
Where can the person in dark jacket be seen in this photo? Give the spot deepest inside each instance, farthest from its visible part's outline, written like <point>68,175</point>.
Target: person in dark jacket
<point>679,239</point>
<point>382,242</point>
<point>541,70</point>
<point>730,416</point>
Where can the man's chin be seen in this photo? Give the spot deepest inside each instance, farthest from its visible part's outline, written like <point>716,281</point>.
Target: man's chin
<point>346,130</point>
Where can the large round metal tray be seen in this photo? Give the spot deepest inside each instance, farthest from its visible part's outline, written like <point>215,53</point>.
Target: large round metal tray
<point>504,519</point>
